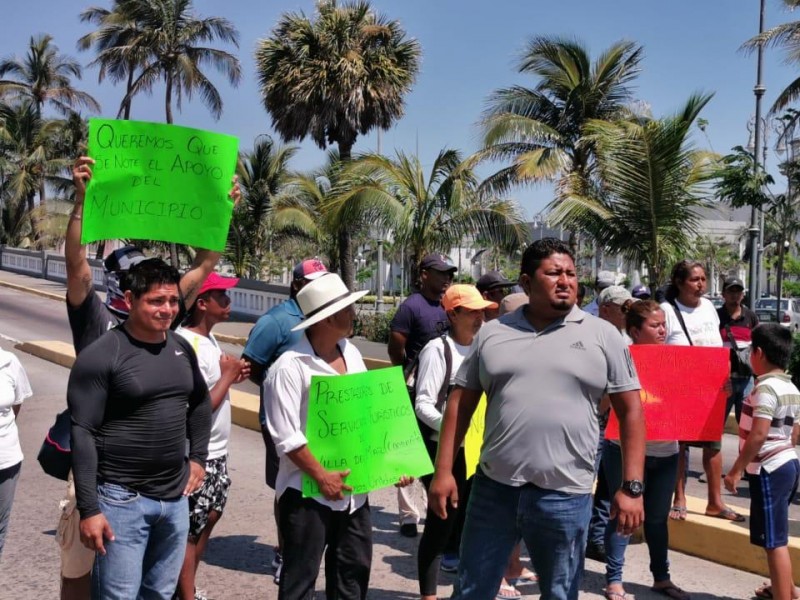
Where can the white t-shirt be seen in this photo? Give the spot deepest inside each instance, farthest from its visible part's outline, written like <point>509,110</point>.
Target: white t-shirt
<point>14,388</point>
<point>208,355</point>
<point>702,321</point>
<point>430,376</point>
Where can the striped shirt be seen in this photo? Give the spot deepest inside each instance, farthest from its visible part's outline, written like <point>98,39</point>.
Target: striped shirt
<point>776,398</point>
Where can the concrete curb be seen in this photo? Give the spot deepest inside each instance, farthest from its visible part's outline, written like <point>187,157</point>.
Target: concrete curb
<point>715,540</point>
<point>29,290</point>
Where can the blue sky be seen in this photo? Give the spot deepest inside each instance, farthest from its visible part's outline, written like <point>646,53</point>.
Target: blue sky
<point>470,49</point>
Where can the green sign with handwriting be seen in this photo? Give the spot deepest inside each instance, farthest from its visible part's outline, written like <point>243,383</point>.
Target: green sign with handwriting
<point>364,422</point>
<point>159,182</point>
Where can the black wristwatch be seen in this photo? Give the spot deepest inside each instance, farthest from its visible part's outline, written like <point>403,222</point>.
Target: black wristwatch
<point>632,487</point>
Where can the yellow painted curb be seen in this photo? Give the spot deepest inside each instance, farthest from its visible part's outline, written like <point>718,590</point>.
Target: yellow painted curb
<point>720,541</point>
<point>60,353</point>
<point>230,339</point>
<point>27,290</point>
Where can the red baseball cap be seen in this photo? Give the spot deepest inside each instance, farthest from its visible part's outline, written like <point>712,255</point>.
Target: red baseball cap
<point>215,281</point>
<point>309,269</point>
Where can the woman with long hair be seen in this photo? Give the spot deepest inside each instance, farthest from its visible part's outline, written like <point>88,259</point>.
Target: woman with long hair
<point>692,320</point>
<point>645,323</point>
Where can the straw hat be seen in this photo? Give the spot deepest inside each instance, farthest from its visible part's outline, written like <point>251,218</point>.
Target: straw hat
<point>323,297</point>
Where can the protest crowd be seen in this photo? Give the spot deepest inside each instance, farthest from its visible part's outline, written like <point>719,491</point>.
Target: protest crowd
<point>569,463</point>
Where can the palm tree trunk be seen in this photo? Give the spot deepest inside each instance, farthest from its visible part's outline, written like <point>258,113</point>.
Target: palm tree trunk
<point>126,104</point>
<point>173,248</point>
<point>344,237</point>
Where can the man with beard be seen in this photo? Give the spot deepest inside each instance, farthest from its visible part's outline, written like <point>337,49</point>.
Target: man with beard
<point>544,369</point>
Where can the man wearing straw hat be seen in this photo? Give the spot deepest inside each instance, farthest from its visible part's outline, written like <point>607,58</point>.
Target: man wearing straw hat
<point>339,520</point>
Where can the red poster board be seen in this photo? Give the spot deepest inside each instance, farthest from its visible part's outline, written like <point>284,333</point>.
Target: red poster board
<point>683,392</point>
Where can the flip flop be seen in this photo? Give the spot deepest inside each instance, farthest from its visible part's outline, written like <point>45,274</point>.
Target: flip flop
<point>728,515</point>
<point>507,591</point>
<point>677,513</point>
<point>764,591</point>
<point>526,578</point>
<point>671,591</point>
<point>615,595</point>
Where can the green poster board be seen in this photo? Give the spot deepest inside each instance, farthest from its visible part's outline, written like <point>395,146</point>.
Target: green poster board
<point>364,422</point>
<point>159,182</point>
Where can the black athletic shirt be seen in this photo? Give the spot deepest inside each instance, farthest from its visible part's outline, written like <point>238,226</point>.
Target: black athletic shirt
<point>133,407</point>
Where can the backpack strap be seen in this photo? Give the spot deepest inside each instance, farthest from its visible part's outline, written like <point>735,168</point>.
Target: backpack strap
<point>448,371</point>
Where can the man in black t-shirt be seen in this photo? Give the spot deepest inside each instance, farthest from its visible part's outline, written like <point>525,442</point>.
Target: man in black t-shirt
<point>138,387</point>
<point>418,320</point>
<point>736,322</point>
<point>89,318</point>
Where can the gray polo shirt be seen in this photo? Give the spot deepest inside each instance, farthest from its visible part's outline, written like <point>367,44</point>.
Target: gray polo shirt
<point>543,389</point>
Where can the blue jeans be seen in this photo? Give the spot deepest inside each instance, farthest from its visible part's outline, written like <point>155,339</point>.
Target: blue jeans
<point>145,558</point>
<point>660,474</point>
<point>553,525</point>
<point>601,504</point>
<point>8,486</point>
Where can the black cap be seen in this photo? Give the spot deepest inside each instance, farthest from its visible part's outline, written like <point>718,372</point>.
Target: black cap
<point>123,259</point>
<point>732,282</point>
<point>492,280</point>
<point>437,262</point>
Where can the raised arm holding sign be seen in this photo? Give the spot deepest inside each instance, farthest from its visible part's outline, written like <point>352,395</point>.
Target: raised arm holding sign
<point>159,182</point>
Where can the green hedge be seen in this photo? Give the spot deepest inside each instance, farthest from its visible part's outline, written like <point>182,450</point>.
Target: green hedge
<point>374,326</point>
<point>372,299</point>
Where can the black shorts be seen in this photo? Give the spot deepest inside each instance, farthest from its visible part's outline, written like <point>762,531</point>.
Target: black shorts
<point>273,460</point>
<point>212,495</point>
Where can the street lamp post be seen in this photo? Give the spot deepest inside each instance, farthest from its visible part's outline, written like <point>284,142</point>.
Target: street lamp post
<point>758,90</point>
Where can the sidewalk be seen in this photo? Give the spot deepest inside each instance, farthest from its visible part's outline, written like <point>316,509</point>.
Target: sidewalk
<point>713,539</point>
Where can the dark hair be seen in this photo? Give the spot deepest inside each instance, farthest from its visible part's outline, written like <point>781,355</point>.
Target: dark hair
<point>638,312</point>
<point>581,292</point>
<point>541,249</point>
<point>776,342</point>
<point>680,273</point>
<point>153,271</point>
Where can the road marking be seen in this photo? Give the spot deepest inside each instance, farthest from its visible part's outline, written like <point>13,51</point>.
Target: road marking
<point>10,339</point>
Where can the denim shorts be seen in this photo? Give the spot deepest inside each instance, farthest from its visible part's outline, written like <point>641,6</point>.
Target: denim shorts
<point>770,497</point>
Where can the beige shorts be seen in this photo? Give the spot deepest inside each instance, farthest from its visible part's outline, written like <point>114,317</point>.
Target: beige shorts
<point>76,559</point>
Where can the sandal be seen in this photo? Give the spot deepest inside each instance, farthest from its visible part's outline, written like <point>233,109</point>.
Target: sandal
<point>671,591</point>
<point>728,515</point>
<point>526,578</point>
<point>507,591</point>
<point>764,591</point>
<point>677,513</point>
<point>615,595</point>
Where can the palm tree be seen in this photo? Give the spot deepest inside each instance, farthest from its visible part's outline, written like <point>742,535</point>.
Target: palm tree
<point>27,162</point>
<point>427,213</point>
<point>540,130</point>
<point>44,76</point>
<point>334,77</point>
<point>653,183</point>
<point>116,41</point>
<point>263,176</point>
<point>785,36</point>
<point>169,34</point>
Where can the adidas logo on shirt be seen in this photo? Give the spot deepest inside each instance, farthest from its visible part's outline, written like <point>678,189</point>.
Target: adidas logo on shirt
<point>578,346</point>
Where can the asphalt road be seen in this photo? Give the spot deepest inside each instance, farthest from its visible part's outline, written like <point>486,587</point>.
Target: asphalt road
<point>237,562</point>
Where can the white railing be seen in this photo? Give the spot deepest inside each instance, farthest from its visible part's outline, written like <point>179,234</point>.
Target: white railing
<point>250,298</point>
<point>22,262</point>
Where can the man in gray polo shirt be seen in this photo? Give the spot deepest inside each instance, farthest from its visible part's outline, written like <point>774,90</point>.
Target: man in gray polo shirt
<point>544,369</point>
